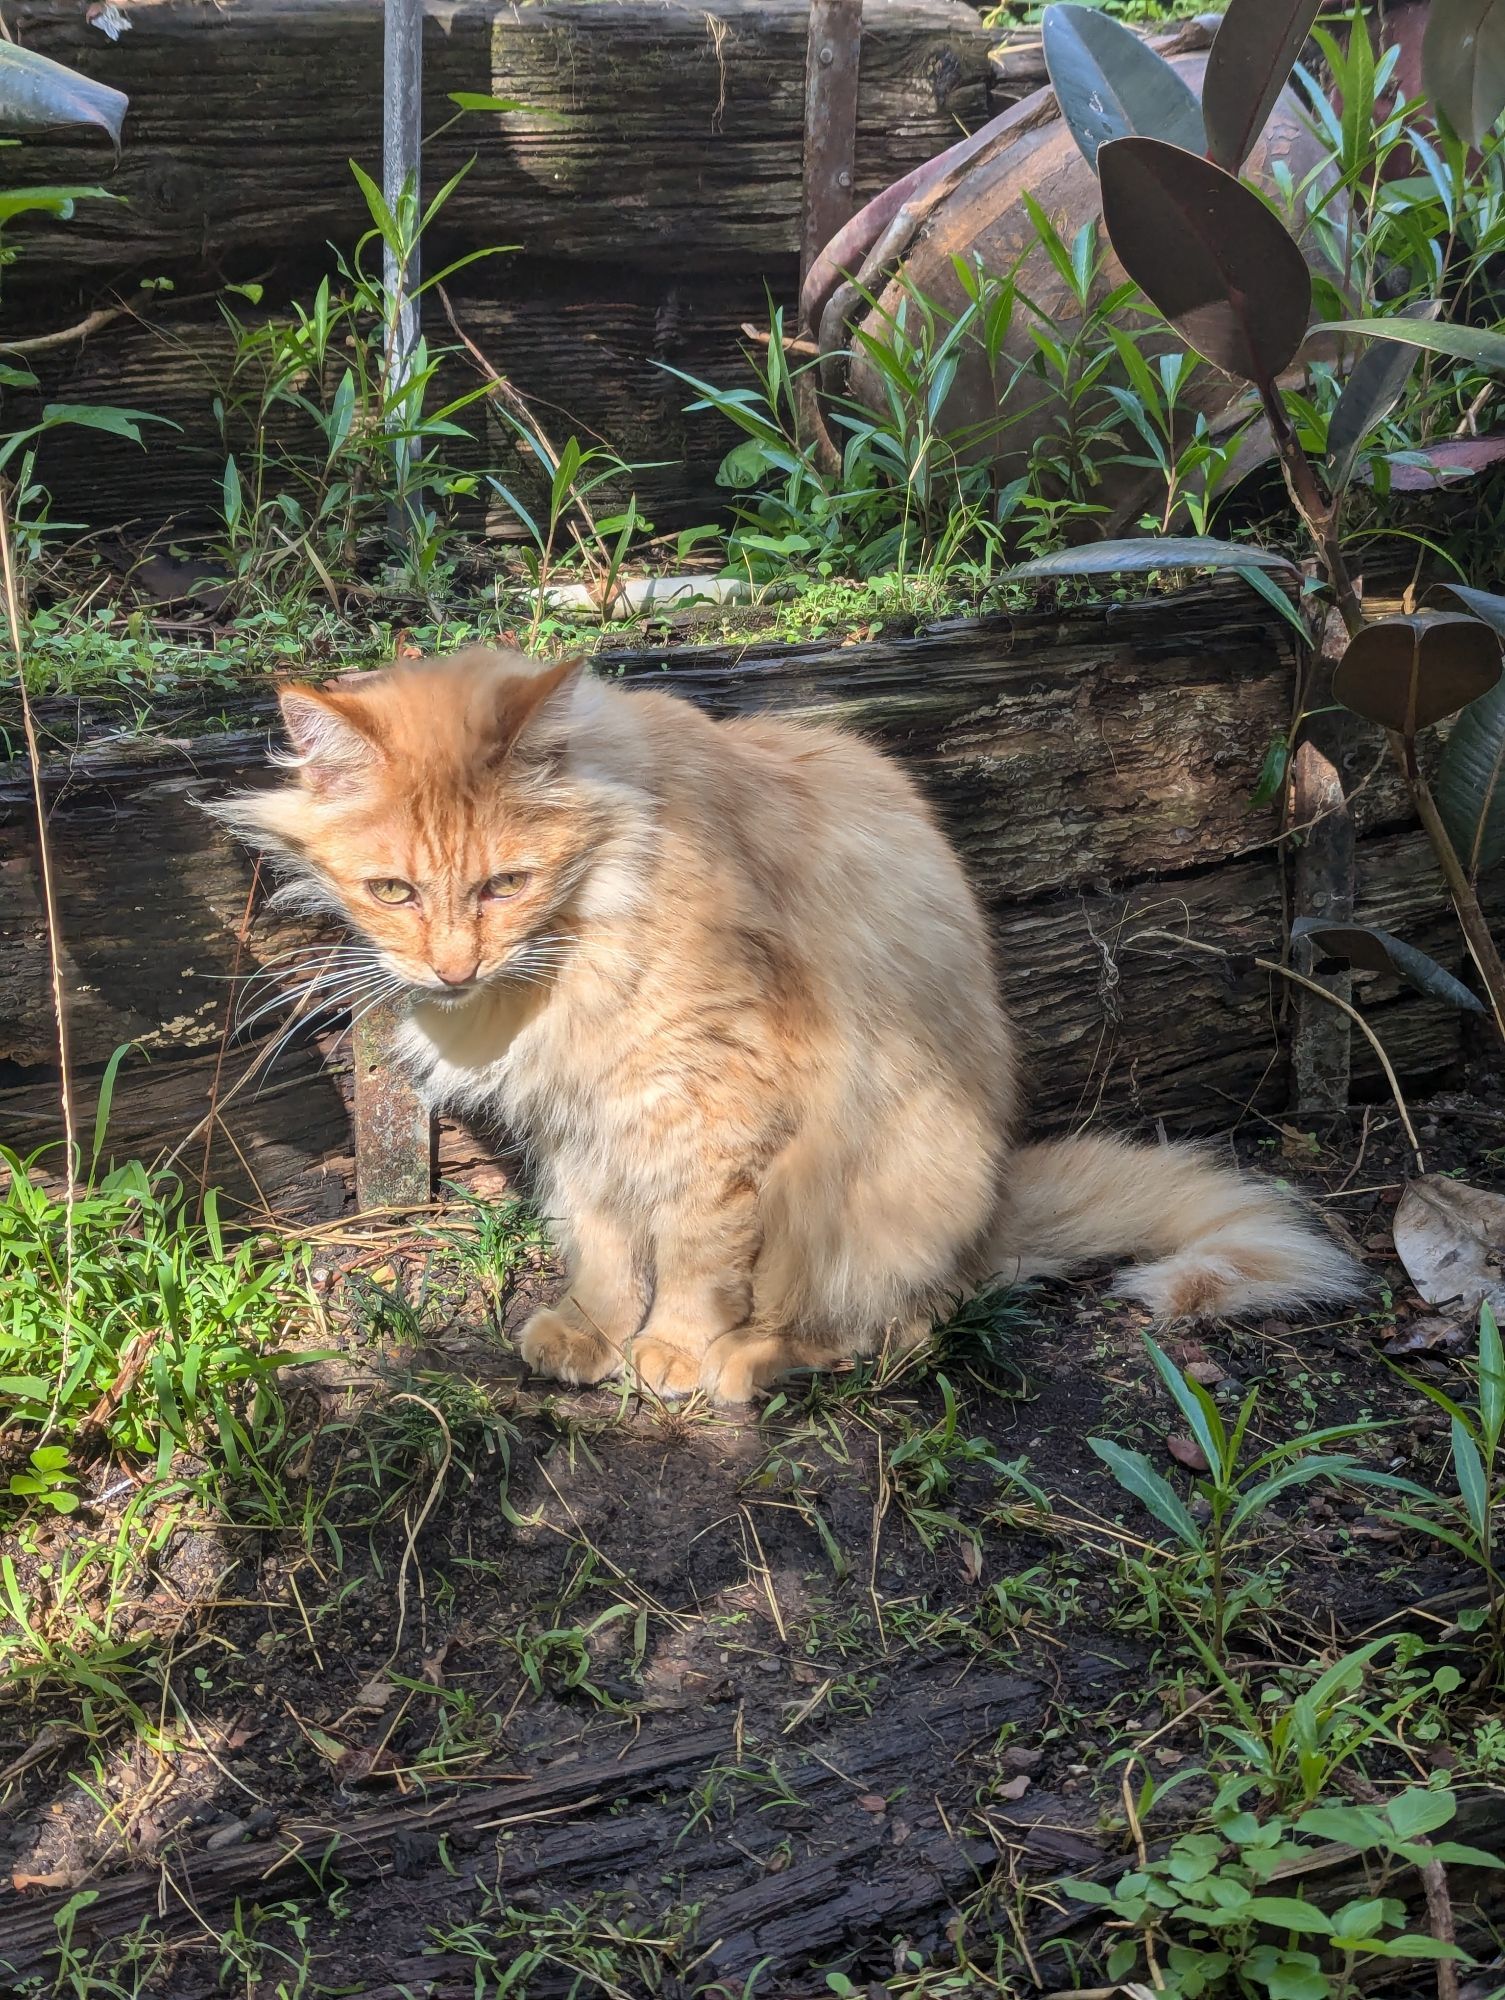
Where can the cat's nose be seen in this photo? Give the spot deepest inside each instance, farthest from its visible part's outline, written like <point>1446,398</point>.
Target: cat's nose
<point>458,974</point>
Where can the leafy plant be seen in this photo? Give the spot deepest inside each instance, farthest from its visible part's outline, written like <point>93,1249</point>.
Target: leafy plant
<point>1229,274</point>
<point>329,440</point>
<point>1467,1523</point>
<point>1204,1913</point>
<point>1235,1492</point>
<point>1292,1745</point>
<point>127,1319</point>
<point>926,1467</point>
<point>47,1479</point>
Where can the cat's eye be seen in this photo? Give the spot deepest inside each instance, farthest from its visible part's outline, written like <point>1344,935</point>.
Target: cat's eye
<point>506,884</point>
<point>387,889</point>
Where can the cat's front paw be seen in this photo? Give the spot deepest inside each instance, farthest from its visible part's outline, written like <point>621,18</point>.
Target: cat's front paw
<point>552,1346</point>
<point>663,1369</point>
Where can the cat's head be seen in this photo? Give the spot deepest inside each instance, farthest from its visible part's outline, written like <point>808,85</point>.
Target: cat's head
<point>436,807</point>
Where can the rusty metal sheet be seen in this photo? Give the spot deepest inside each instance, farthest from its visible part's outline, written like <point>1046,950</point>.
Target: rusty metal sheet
<point>832,62</point>
<point>394,1133</point>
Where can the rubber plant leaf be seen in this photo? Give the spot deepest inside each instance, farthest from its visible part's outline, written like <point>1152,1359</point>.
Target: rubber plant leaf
<point>1371,950</point>
<point>1256,45</point>
<point>1470,783</point>
<point>1206,250</point>
<point>1109,83</point>
<point>1463,63</point>
<point>37,93</point>
<point>1406,673</point>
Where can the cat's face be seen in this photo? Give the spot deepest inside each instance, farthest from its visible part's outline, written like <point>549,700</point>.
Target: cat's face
<point>429,811</point>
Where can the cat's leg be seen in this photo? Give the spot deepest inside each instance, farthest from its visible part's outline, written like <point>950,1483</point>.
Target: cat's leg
<point>583,1337</point>
<point>703,1255</point>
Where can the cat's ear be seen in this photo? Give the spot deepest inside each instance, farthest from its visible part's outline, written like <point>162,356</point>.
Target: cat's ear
<point>331,748</point>
<point>533,710</point>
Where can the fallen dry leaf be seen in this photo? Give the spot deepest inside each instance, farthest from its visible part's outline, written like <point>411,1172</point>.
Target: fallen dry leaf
<point>375,1694</point>
<point>366,1767</point>
<point>58,1879</point>
<point>1422,1336</point>
<point>1451,1238</point>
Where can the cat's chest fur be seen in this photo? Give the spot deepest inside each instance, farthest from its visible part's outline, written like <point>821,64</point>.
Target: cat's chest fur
<point>550,1062</point>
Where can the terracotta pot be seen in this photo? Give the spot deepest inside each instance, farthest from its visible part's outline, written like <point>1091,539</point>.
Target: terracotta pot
<point>970,204</point>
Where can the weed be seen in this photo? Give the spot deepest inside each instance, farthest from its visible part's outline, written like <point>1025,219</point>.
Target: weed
<point>327,438</point>
<point>588,1947</point>
<point>1200,1916</point>
<point>1235,1493</point>
<point>1467,1524</point>
<point>129,1320</point>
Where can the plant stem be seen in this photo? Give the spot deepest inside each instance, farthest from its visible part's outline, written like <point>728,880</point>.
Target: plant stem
<point>1481,944</point>
<point>1321,518</point>
<point>1333,1000</point>
<point>54,948</point>
<point>1319,513</point>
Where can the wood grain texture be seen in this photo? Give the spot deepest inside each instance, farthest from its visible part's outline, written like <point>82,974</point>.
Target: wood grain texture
<point>1093,766</point>
<point>655,128</point>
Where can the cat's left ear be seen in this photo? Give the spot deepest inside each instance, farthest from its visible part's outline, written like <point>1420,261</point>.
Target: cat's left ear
<point>331,738</point>
<point>532,716</point>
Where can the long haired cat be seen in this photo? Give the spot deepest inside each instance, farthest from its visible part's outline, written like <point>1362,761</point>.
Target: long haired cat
<point>728,982</point>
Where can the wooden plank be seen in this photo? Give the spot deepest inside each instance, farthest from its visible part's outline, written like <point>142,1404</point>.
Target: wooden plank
<point>590,347</point>
<point>1094,768</point>
<point>656,128</point>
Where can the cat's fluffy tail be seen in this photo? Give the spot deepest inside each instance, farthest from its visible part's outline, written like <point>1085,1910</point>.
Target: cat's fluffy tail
<point>1210,1241</point>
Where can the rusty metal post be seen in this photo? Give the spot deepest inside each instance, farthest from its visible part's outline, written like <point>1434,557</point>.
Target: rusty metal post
<point>394,1133</point>
<point>1323,883</point>
<point>832,62</point>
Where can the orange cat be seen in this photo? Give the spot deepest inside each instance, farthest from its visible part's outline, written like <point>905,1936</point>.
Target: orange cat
<point>729,983</point>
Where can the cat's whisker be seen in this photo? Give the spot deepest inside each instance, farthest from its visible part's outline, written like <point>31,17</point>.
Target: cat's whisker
<point>322,994</point>
<point>363,1001</point>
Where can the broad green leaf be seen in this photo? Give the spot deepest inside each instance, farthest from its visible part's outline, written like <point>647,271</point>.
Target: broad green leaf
<point>1375,385</point>
<point>1289,1913</point>
<point>1491,1377</point>
<point>1109,83</point>
<point>1416,1811</point>
<point>1463,343</point>
<point>1374,950</point>
<point>37,94</point>
<point>474,100</point>
<point>1472,1484</point>
<point>1198,1408</point>
<point>1349,1826</point>
<point>1153,552</point>
<point>1136,1475</point>
<point>51,200</point>
<point>1463,63</point>
<point>103,417</point>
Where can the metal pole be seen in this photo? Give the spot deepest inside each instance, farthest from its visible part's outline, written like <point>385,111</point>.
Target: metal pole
<point>394,1133</point>
<point>402,141</point>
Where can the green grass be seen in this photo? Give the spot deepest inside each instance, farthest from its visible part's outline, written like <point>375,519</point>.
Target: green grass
<point>131,1321</point>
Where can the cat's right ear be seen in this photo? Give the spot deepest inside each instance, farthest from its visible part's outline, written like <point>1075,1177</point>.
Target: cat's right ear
<point>331,749</point>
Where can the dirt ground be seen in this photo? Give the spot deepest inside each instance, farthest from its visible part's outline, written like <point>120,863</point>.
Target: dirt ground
<point>495,1690</point>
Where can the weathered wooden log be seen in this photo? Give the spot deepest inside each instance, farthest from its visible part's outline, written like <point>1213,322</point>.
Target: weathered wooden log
<point>668,131</point>
<point>1094,766</point>
<point>619,1809</point>
<point>590,349</point>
